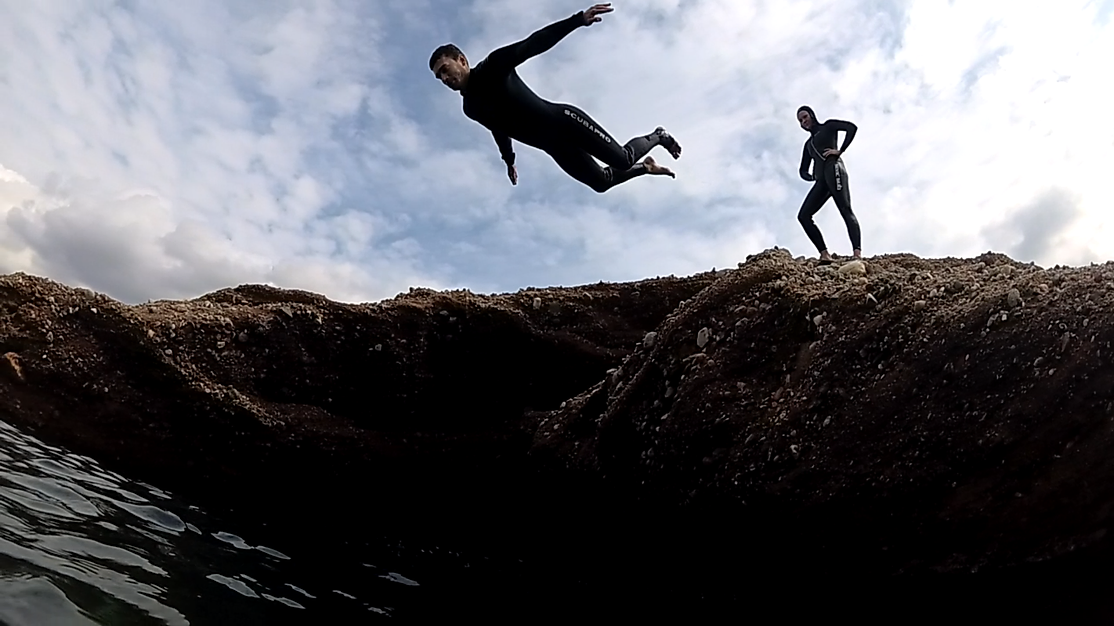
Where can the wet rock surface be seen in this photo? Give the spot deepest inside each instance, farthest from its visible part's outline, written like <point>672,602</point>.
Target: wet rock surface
<point>902,416</point>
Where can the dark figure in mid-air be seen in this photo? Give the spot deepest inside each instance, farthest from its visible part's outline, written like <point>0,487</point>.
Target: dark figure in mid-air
<point>496,97</point>
<point>830,178</point>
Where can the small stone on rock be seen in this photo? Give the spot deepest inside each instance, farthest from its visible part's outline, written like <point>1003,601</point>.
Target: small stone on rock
<point>853,268</point>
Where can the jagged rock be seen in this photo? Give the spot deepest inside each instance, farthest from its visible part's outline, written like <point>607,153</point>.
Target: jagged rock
<point>14,367</point>
<point>852,268</point>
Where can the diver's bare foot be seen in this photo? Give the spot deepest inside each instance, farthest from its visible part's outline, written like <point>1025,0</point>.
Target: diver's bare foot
<point>653,168</point>
<point>668,142</point>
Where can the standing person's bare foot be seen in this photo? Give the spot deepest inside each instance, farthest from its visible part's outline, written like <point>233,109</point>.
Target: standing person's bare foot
<point>654,169</point>
<point>858,255</point>
<point>825,258</point>
<point>668,142</point>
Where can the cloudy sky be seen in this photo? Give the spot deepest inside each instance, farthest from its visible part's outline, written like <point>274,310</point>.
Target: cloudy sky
<point>163,150</point>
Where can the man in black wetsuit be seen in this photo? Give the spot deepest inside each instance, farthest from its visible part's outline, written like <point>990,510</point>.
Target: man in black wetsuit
<point>496,97</point>
<point>830,177</point>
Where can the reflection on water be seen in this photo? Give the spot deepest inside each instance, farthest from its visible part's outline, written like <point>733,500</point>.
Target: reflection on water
<point>82,545</point>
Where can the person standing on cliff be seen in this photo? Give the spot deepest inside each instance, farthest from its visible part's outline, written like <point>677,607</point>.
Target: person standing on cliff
<point>498,99</point>
<point>829,177</point>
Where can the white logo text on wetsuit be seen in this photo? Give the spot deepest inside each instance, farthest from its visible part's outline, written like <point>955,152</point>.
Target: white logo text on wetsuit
<point>588,125</point>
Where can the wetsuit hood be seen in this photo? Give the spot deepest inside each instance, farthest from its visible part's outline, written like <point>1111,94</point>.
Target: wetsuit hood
<point>812,114</point>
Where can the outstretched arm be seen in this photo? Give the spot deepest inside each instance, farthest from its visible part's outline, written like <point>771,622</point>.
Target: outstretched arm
<point>805,159</point>
<point>515,54</point>
<point>506,151</point>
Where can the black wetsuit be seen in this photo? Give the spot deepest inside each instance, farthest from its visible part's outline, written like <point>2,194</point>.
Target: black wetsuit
<point>497,98</point>
<point>831,179</point>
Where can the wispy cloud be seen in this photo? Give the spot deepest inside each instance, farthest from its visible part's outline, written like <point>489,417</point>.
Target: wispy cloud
<point>165,150</point>
<point>1035,230</point>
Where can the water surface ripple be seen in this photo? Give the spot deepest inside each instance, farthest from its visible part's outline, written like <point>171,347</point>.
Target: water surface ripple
<point>83,545</point>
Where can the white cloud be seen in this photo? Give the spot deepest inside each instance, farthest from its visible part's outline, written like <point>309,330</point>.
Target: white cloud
<point>232,137</point>
<point>306,143</point>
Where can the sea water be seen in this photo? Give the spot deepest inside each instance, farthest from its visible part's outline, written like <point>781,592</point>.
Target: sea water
<point>80,544</point>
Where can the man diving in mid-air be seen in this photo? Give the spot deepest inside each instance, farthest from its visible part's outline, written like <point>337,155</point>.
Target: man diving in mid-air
<point>496,97</point>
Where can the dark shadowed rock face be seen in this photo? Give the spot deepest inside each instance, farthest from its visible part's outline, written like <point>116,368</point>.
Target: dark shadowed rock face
<point>251,394</point>
<point>907,416</point>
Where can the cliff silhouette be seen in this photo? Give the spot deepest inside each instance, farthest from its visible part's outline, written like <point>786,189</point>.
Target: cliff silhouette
<point>902,419</point>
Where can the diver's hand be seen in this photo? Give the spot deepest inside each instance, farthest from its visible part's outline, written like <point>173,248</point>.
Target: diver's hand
<point>831,152</point>
<point>592,14</point>
<point>512,173</point>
